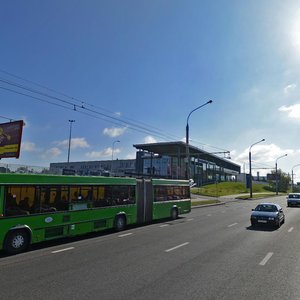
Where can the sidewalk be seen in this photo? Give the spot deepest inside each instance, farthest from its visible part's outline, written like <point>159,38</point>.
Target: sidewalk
<point>199,198</point>
<point>223,199</point>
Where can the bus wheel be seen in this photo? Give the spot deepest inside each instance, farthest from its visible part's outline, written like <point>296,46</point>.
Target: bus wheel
<point>120,223</point>
<point>174,213</point>
<point>16,241</point>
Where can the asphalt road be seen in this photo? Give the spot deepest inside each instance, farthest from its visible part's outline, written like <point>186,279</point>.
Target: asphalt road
<point>211,253</point>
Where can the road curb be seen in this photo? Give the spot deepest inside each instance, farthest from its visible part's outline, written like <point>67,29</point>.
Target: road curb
<point>206,205</point>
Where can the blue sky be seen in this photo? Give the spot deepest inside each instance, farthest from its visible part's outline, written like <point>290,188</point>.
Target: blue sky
<point>148,64</point>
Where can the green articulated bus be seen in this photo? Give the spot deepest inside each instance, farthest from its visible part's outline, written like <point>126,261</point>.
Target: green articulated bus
<point>36,208</point>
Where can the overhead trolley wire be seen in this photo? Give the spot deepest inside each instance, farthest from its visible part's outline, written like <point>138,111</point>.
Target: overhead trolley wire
<point>83,108</point>
<point>264,166</point>
<point>33,97</point>
<point>78,109</point>
<point>213,147</point>
<point>7,118</point>
<point>84,103</point>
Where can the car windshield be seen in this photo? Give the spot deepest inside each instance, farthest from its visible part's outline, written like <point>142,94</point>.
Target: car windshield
<point>266,207</point>
<point>296,196</point>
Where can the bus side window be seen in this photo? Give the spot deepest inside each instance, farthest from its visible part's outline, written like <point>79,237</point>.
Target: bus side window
<point>98,196</point>
<point>108,196</point>
<point>24,204</point>
<point>160,194</point>
<point>12,207</point>
<point>61,204</point>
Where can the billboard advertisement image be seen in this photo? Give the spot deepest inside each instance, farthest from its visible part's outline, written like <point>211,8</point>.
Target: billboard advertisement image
<point>10,139</point>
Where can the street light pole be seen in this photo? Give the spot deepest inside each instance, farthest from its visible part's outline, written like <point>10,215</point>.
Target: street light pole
<point>187,139</point>
<point>293,176</point>
<point>70,135</point>
<point>250,169</point>
<point>276,172</point>
<point>112,155</point>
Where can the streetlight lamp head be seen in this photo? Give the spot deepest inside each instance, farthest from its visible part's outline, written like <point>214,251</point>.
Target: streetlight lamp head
<point>210,101</point>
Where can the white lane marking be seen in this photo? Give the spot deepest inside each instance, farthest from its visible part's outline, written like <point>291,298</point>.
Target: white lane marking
<point>266,259</point>
<point>61,250</point>
<point>176,247</point>
<point>190,219</point>
<point>232,224</point>
<point>164,225</point>
<point>291,229</point>
<point>209,215</point>
<point>125,234</point>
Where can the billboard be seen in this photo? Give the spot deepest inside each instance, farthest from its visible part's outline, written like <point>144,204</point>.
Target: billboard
<point>10,139</point>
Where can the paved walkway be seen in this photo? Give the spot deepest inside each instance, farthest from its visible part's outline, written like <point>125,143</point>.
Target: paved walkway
<point>197,198</point>
<point>222,199</point>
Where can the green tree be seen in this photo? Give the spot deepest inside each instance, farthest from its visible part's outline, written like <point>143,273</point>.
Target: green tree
<point>283,181</point>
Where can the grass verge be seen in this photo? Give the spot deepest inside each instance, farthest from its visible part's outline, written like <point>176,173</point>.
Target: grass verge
<point>227,188</point>
<point>204,202</point>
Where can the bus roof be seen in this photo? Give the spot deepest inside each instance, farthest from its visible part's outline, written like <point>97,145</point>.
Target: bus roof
<point>62,179</point>
<point>170,182</point>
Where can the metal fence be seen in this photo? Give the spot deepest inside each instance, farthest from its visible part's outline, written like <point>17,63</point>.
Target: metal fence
<point>23,169</point>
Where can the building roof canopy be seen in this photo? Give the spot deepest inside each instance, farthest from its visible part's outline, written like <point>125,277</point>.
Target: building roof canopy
<point>178,149</point>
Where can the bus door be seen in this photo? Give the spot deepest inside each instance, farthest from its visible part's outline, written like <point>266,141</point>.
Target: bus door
<point>144,201</point>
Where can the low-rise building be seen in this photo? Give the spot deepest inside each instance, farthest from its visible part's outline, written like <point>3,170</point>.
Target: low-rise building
<point>118,167</point>
<point>164,160</point>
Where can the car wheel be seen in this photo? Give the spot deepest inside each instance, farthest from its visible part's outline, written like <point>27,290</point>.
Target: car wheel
<point>279,224</point>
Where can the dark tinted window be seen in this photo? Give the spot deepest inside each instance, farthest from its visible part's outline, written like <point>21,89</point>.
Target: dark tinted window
<point>167,193</point>
<point>294,196</point>
<point>25,200</point>
<point>266,207</point>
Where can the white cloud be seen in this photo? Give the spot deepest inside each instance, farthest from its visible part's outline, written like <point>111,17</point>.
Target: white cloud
<point>28,147</point>
<point>104,153</point>
<point>131,156</point>
<point>264,153</point>
<point>52,152</point>
<point>289,88</point>
<point>75,143</point>
<point>262,156</point>
<point>295,34</point>
<point>233,153</point>
<point>292,110</point>
<point>114,131</point>
<point>149,140</point>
